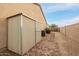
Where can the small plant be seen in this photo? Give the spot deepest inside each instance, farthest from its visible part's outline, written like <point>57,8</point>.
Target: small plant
<point>54,28</point>
<point>47,30</point>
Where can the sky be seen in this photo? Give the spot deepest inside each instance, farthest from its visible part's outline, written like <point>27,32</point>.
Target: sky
<point>61,14</point>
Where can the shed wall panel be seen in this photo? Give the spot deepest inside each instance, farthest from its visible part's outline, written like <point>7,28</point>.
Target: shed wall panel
<point>28,34</point>
<point>38,32</point>
<point>14,36</point>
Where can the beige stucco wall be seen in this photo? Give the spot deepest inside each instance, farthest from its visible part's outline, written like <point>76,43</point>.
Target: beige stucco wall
<point>31,10</point>
<point>72,31</point>
<point>72,37</point>
<point>6,10</point>
<point>3,32</point>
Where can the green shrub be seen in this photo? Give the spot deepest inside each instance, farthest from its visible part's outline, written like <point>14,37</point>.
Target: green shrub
<point>47,30</point>
<point>54,28</point>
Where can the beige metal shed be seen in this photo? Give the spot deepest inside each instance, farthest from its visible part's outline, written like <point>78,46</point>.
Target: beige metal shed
<point>38,31</point>
<point>23,33</point>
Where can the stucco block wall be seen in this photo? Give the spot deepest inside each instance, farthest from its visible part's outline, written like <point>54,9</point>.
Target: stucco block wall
<point>72,31</point>
<point>72,37</point>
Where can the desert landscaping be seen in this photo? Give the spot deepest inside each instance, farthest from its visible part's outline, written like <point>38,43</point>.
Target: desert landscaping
<point>48,46</point>
<point>25,31</point>
<point>63,43</point>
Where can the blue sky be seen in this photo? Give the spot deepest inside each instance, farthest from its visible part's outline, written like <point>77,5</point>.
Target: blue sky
<point>61,13</point>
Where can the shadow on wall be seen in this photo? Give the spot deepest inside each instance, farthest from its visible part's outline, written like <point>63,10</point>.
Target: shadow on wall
<point>3,32</point>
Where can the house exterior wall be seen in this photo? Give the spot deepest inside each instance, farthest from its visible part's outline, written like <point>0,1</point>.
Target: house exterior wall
<point>8,9</point>
<point>3,32</point>
<point>31,10</point>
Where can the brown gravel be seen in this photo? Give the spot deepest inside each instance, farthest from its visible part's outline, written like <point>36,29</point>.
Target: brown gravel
<point>48,46</point>
<point>6,52</point>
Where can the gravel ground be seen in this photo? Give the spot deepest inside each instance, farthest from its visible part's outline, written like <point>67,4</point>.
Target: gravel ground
<point>6,52</point>
<point>48,46</point>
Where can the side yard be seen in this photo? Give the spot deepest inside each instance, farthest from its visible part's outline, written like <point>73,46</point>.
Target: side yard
<point>51,45</point>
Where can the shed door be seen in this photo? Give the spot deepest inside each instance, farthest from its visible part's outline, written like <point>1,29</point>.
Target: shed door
<point>14,34</point>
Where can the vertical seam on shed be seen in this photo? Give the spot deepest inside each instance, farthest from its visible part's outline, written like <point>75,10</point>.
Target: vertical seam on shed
<point>21,34</point>
<point>35,35</point>
<point>7,35</point>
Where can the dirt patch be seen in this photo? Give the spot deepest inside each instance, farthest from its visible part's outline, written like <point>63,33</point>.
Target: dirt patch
<point>51,45</point>
<point>6,52</point>
<point>47,47</point>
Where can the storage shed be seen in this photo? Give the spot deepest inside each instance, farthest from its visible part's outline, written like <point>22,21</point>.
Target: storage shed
<point>23,33</point>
